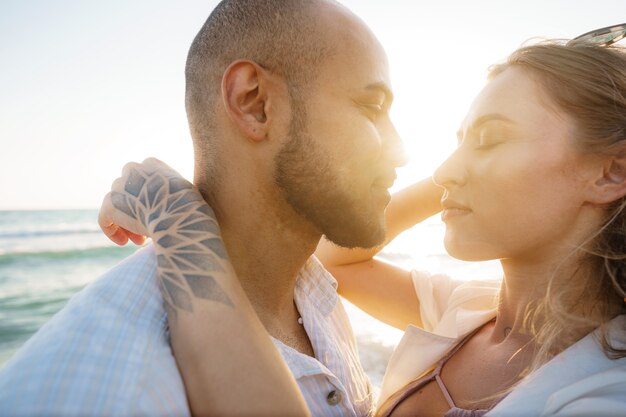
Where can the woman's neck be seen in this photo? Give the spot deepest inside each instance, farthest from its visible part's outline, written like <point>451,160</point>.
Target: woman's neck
<point>523,289</point>
<point>533,293</point>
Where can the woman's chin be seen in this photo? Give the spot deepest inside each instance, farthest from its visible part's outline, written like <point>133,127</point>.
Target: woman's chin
<point>469,252</point>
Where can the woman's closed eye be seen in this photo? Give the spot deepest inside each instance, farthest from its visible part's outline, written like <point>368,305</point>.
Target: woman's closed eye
<point>486,135</point>
<point>490,138</point>
<point>486,142</point>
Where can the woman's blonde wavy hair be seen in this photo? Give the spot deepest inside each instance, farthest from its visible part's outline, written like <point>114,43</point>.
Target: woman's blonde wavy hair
<point>589,84</point>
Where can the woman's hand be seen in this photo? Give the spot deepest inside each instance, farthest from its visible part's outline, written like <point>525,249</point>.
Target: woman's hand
<point>383,290</point>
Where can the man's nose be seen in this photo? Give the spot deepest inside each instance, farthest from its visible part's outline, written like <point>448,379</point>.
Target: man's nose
<point>394,147</point>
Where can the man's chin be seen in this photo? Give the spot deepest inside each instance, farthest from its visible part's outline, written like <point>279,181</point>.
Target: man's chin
<point>382,197</point>
<point>358,237</point>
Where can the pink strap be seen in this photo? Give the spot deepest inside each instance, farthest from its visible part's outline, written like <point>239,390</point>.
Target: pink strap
<point>444,391</point>
<point>443,361</point>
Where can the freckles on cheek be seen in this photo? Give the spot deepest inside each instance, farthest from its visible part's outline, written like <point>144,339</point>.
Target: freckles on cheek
<point>509,186</point>
<point>539,186</point>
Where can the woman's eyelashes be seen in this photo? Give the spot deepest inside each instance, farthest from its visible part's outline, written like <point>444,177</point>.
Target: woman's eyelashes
<point>485,142</point>
<point>485,137</point>
<point>480,143</point>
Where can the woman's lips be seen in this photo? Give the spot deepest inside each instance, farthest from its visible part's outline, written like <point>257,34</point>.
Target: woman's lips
<point>453,209</point>
<point>453,212</point>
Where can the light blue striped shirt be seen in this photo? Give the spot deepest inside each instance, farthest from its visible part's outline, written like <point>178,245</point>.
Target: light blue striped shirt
<point>107,353</point>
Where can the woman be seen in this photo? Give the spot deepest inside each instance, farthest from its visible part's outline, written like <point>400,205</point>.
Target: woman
<point>538,181</point>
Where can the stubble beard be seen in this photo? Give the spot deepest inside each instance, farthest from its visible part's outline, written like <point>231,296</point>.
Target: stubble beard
<point>311,187</point>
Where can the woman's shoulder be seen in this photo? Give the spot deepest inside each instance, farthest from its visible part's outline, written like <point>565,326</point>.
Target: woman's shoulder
<point>446,284</point>
<point>441,297</point>
<point>581,379</point>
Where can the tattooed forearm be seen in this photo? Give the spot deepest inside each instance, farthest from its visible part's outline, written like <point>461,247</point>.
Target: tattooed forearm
<point>190,252</point>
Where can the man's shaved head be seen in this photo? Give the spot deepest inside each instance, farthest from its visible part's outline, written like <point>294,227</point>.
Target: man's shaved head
<point>282,36</point>
<point>288,103</point>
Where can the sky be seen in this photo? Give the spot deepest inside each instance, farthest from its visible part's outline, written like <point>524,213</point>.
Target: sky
<point>87,86</point>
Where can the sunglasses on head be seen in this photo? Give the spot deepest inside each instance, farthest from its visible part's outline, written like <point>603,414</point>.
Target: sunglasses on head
<point>601,37</point>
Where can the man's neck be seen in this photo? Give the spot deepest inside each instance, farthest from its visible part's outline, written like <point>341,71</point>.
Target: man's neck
<point>267,245</point>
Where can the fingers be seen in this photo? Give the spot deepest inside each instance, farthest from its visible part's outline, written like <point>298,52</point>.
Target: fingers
<point>151,165</point>
<point>120,237</point>
<point>153,161</point>
<point>127,177</point>
<point>104,220</point>
<point>110,229</point>
<point>118,217</point>
<point>135,238</point>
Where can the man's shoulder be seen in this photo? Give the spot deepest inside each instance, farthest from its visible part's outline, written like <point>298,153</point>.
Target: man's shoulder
<point>127,296</point>
<point>128,288</point>
<point>100,353</point>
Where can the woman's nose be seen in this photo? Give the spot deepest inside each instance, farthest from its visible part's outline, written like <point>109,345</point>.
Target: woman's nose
<point>451,172</point>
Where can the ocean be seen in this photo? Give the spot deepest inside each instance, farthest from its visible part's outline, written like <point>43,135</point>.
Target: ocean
<point>48,256</point>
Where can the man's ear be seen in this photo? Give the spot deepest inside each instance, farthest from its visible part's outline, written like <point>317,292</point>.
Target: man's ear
<point>245,91</point>
<point>611,184</point>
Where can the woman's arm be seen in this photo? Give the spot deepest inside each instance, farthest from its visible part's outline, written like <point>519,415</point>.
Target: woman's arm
<point>228,363</point>
<point>381,289</point>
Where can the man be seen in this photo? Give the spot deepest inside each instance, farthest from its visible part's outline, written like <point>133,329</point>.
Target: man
<point>288,105</point>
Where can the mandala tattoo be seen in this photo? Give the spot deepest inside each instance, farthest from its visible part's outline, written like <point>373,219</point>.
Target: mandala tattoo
<point>185,233</point>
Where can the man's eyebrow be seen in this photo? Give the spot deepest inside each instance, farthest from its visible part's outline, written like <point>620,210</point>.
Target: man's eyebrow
<point>479,121</point>
<point>382,87</point>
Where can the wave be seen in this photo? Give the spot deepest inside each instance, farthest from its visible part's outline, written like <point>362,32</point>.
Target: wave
<point>18,234</point>
<point>69,254</point>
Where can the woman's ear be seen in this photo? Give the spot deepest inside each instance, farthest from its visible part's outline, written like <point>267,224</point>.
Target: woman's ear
<point>246,93</point>
<point>611,185</point>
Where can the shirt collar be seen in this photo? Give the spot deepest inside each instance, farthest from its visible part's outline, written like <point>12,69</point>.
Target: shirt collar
<point>318,286</point>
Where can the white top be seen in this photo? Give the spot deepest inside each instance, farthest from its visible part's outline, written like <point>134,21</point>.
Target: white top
<point>580,381</point>
<point>107,353</point>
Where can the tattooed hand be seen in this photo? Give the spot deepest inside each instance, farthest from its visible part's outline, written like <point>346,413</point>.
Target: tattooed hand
<point>140,195</point>
<point>151,199</point>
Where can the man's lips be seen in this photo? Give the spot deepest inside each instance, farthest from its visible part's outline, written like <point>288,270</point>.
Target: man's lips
<point>385,181</point>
